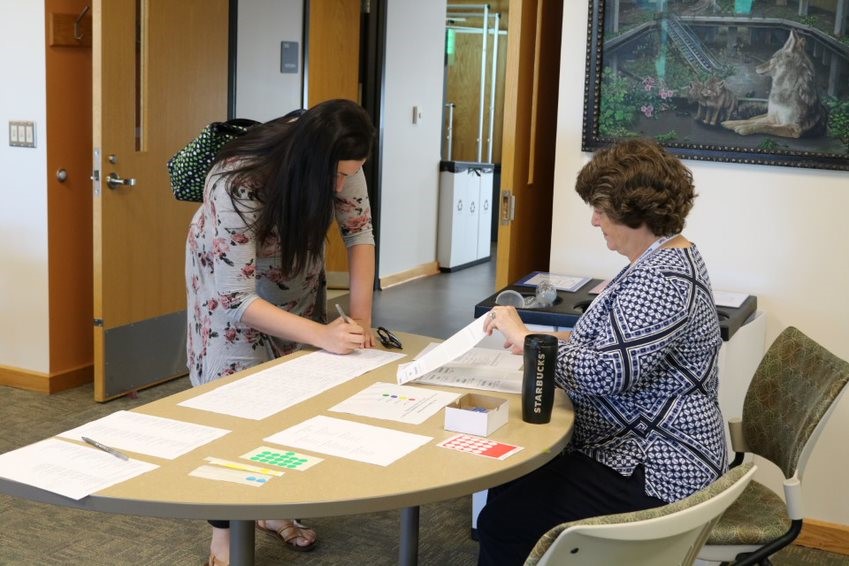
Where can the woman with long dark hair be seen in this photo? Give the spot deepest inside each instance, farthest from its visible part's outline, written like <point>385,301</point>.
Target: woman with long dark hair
<point>255,255</point>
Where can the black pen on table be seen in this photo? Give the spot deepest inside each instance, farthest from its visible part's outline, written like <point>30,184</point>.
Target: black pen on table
<point>105,448</point>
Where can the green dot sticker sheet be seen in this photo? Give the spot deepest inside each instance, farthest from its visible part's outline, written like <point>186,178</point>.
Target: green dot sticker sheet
<point>286,459</point>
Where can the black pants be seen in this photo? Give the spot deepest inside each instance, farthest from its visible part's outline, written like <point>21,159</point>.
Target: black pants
<point>570,487</point>
<point>219,524</point>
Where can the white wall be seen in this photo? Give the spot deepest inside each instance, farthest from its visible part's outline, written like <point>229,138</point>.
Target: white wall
<point>262,91</point>
<point>410,152</point>
<point>23,191</point>
<point>777,233</point>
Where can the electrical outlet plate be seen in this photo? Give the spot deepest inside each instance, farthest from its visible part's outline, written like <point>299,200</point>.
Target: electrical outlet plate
<point>21,133</point>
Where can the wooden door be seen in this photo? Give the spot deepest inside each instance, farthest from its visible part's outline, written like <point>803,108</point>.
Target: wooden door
<point>159,74</point>
<point>68,75</point>
<point>334,72</point>
<point>530,120</point>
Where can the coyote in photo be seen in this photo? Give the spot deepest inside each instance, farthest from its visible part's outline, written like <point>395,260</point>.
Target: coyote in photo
<point>794,108</point>
<point>716,101</point>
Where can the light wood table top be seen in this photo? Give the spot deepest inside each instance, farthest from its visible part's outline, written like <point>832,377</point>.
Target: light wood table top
<point>336,486</point>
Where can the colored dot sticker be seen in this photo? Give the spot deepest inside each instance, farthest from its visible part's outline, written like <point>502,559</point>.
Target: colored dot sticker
<point>281,458</point>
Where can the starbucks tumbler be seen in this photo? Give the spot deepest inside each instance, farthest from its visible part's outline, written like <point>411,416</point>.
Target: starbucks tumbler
<point>540,355</point>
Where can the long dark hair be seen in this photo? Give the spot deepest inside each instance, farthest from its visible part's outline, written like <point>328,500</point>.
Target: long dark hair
<point>288,166</point>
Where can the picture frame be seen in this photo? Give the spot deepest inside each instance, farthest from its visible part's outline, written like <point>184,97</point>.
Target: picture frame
<point>743,81</point>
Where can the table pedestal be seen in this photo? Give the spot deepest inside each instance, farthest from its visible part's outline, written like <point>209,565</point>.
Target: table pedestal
<point>409,549</point>
<point>242,539</point>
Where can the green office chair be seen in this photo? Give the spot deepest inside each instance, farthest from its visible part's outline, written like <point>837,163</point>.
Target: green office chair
<point>669,535</point>
<point>790,398</point>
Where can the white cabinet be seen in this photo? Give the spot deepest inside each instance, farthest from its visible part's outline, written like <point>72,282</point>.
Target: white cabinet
<point>465,214</point>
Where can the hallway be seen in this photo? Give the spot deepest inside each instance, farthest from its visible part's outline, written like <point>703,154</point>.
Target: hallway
<point>437,305</point>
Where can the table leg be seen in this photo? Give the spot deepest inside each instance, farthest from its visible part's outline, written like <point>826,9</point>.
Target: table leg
<point>409,555</point>
<point>242,536</point>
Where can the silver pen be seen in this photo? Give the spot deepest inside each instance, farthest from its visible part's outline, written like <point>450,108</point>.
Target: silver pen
<point>105,448</point>
<point>342,313</point>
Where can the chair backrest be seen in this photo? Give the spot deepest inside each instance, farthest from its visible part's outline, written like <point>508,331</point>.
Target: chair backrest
<point>789,398</point>
<point>670,534</point>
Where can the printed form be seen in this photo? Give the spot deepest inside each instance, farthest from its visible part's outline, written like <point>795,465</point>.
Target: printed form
<point>479,368</point>
<point>146,434</point>
<point>279,387</point>
<point>347,439</point>
<point>444,352</point>
<point>393,402</point>
<point>68,469</point>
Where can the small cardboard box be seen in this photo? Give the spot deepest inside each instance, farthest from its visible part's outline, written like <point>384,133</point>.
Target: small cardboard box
<point>476,414</point>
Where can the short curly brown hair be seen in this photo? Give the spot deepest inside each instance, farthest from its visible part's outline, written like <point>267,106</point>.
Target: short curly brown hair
<point>637,182</point>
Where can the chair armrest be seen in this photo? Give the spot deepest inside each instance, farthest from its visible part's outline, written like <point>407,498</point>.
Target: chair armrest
<point>735,429</point>
<point>793,497</point>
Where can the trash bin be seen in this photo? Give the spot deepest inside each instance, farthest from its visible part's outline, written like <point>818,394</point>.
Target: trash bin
<point>464,234</point>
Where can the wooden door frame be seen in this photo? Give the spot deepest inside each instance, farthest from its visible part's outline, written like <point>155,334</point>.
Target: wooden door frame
<point>528,150</point>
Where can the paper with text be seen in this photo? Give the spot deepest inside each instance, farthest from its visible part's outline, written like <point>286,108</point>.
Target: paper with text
<point>455,346</point>
<point>729,299</point>
<point>347,439</point>
<point>146,434</point>
<point>68,469</point>
<point>569,283</point>
<point>400,403</point>
<point>281,386</point>
<point>480,368</point>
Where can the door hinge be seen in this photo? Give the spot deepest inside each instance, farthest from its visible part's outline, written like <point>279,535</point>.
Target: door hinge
<point>508,207</point>
<point>98,322</point>
<point>366,6</point>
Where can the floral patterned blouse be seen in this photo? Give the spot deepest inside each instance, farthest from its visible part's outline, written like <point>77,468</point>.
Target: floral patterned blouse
<point>641,371</point>
<point>226,272</point>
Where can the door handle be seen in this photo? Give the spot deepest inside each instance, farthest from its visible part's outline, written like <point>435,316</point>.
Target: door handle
<point>508,207</point>
<point>114,181</point>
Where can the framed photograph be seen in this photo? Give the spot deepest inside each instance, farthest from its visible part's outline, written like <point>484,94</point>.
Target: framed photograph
<point>745,81</point>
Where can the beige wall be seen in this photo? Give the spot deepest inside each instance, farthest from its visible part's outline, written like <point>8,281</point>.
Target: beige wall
<point>773,232</point>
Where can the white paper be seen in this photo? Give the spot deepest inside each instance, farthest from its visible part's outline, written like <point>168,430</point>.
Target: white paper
<point>400,403</point>
<point>347,439</point>
<point>480,368</point>
<point>729,299</point>
<point>279,387</point>
<point>146,434</point>
<point>253,479</point>
<point>68,469</point>
<point>561,282</point>
<point>451,349</point>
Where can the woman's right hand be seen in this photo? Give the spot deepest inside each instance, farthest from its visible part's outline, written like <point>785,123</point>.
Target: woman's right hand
<point>340,337</point>
<point>507,321</point>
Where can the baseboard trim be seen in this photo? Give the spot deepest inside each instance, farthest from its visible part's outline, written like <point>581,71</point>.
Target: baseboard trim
<point>41,382</point>
<point>821,535</point>
<point>424,270</point>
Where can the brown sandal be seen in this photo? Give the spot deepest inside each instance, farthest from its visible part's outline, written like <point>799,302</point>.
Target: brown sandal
<point>215,561</point>
<point>290,533</point>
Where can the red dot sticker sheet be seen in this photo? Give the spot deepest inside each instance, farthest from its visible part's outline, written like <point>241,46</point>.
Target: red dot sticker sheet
<point>480,446</point>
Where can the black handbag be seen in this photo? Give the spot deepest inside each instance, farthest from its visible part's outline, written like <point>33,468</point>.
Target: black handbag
<point>189,166</point>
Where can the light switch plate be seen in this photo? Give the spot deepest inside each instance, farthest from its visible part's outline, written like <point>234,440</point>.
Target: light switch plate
<point>22,133</point>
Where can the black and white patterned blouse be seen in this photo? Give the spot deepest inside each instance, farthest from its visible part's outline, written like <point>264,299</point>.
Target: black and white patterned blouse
<point>641,371</point>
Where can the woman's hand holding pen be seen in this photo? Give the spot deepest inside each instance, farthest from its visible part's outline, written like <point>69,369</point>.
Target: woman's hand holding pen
<point>342,336</point>
<point>358,333</point>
